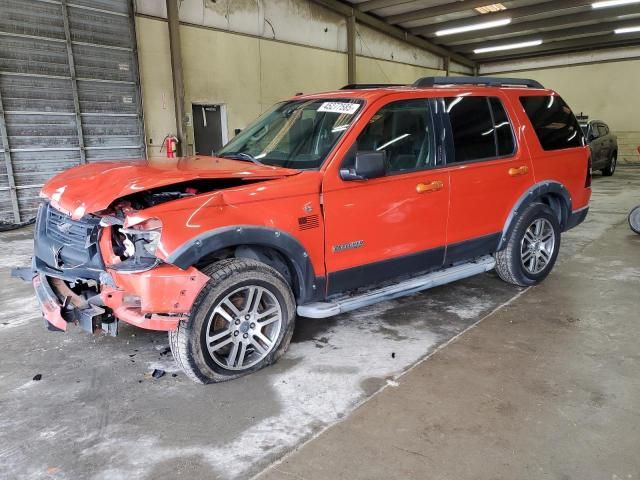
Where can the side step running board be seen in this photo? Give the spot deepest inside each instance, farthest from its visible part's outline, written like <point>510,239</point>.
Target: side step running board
<point>440,277</point>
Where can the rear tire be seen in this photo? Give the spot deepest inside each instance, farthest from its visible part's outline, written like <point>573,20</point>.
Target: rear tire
<point>611,168</point>
<point>241,321</point>
<point>532,247</point>
<point>634,219</point>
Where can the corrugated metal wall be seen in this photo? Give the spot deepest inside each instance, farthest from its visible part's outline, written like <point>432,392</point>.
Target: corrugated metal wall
<point>69,92</point>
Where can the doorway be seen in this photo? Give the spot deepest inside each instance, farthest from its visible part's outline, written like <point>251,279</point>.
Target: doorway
<point>209,128</point>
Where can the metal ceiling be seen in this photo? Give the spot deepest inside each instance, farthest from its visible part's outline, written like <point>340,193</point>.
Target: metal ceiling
<point>563,26</point>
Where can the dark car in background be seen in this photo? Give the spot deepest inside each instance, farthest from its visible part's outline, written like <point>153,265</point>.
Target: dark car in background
<point>604,146</point>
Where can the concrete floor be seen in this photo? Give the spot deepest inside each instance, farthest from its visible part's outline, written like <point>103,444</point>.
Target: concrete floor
<point>547,386</point>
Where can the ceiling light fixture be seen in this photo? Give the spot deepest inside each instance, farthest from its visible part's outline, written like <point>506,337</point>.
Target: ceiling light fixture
<point>613,3</point>
<point>511,46</point>
<point>477,26</point>
<point>627,30</point>
<point>494,7</point>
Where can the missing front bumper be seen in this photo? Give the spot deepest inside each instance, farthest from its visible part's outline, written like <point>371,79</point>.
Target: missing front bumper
<point>166,290</point>
<point>104,314</point>
<point>58,315</point>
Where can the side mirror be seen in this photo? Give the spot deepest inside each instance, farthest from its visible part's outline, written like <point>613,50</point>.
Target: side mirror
<point>367,165</point>
<point>591,137</point>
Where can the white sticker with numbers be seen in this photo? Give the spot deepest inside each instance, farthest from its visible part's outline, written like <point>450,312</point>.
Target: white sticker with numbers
<point>339,107</point>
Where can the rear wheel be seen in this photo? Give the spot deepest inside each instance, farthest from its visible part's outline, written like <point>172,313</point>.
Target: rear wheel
<point>634,219</point>
<point>532,248</point>
<point>241,322</point>
<point>611,168</point>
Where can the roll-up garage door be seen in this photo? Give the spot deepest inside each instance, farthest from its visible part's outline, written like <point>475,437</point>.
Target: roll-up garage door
<point>69,93</point>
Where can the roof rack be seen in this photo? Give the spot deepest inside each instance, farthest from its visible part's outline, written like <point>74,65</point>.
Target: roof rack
<point>361,86</point>
<point>487,81</point>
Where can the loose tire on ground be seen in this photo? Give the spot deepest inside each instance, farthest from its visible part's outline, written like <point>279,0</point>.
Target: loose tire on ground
<point>232,328</point>
<point>509,261</point>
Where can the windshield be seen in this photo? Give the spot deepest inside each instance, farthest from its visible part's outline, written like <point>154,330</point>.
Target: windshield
<point>296,134</point>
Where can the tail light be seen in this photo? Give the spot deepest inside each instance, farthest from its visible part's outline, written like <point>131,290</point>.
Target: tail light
<point>587,182</point>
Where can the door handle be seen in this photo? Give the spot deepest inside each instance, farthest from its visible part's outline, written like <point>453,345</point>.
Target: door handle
<point>523,170</point>
<point>430,187</point>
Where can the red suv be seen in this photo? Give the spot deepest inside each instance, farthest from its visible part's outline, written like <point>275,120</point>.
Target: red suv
<point>326,203</point>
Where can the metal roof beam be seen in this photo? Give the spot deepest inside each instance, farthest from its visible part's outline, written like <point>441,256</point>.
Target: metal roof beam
<point>377,4</point>
<point>559,21</point>
<point>515,14</point>
<point>430,12</point>
<point>585,31</point>
<point>566,46</point>
<point>395,32</point>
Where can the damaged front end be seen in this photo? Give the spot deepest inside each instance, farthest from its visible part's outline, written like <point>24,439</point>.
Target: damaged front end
<point>99,269</point>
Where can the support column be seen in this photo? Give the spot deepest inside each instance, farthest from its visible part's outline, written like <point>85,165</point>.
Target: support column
<point>13,193</point>
<point>74,83</point>
<point>176,73</point>
<point>447,65</point>
<point>136,73</point>
<point>351,48</point>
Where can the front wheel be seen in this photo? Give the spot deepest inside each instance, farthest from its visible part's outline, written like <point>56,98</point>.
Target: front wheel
<point>241,322</point>
<point>634,219</point>
<point>532,247</point>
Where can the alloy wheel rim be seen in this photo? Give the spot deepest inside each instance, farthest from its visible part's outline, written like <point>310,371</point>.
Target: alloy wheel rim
<point>243,327</point>
<point>537,246</point>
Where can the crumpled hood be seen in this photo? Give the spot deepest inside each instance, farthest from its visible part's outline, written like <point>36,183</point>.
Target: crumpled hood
<point>93,187</point>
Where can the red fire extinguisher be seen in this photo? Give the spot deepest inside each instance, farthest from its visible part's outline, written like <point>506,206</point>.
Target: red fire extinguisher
<point>170,144</point>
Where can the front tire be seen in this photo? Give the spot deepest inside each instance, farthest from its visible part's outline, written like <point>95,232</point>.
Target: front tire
<point>611,168</point>
<point>241,321</point>
<point>532,247</point>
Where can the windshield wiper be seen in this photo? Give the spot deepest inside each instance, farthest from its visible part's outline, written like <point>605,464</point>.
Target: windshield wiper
<point>241,156</point>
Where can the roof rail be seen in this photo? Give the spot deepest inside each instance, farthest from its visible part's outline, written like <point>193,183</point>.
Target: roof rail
<point>361,86</point>
<point>487,81</point>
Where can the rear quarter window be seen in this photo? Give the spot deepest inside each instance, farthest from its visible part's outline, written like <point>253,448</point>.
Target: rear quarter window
<point>553,121</point>
<point>603,130</point>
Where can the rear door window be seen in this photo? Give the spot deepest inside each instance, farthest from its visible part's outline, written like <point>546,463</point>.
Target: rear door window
<point>481,129</point>
<point>553,121</point>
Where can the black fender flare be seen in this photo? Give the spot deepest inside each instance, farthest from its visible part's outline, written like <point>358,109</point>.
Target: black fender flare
<point>534,192</point>
<point>306,286</point>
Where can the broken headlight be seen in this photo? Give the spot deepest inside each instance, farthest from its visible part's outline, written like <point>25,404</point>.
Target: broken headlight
<point>144,235</point>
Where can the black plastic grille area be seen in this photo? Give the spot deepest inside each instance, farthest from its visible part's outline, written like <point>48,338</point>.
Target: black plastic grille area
<point>72,233</point>
<point>62,244</point>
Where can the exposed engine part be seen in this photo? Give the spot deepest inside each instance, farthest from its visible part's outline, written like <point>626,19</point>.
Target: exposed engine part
<point>110,221</point>
<point>129,246</point>
<point>157,196</point>
<point>62,289</point>
<point>135,249</point>
<point>82,305</point>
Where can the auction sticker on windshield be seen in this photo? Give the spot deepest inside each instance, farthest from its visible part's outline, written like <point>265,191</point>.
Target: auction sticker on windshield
<point>339,107</point>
